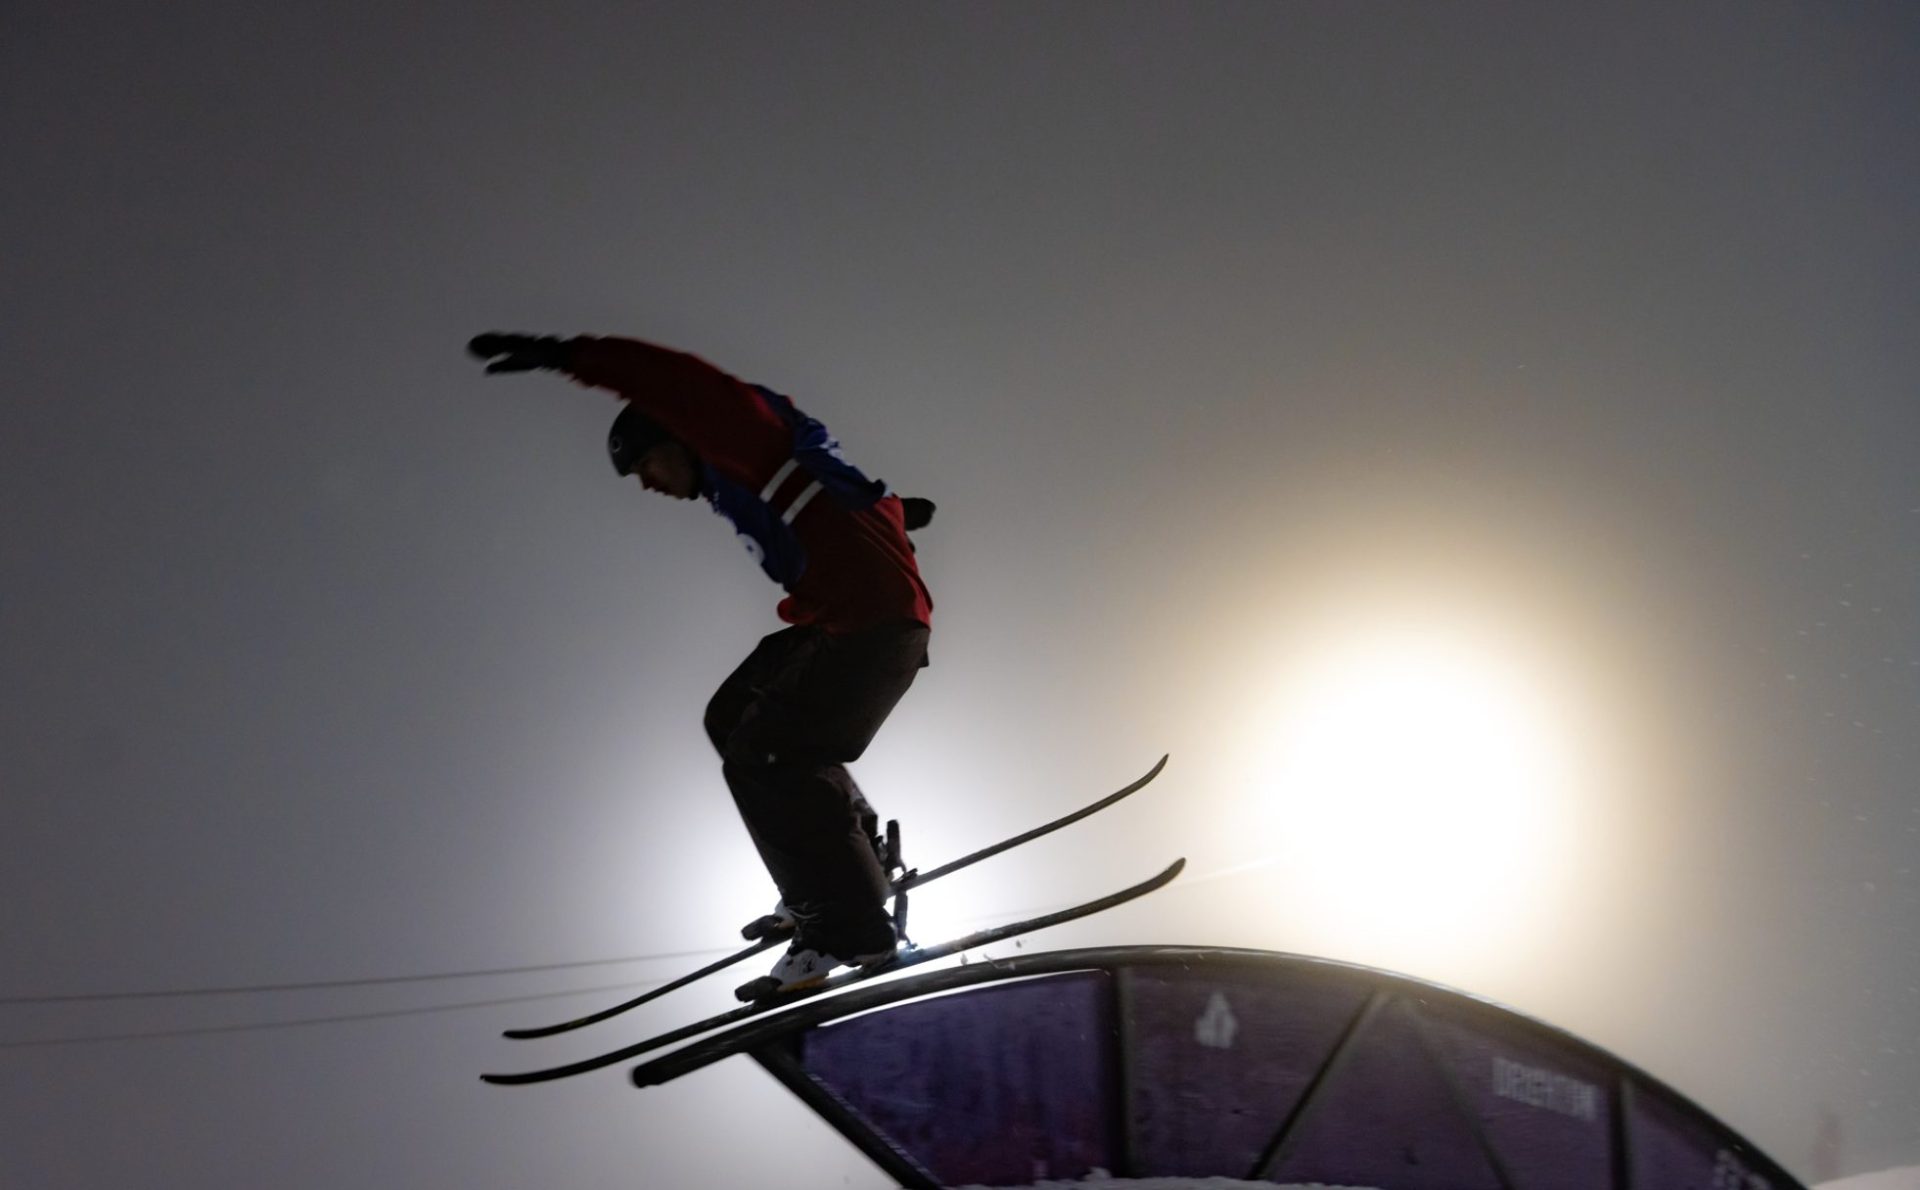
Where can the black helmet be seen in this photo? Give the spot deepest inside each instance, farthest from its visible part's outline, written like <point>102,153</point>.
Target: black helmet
<point>633,434</point>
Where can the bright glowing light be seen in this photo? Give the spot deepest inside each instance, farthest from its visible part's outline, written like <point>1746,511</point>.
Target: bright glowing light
<point>1420,787</point>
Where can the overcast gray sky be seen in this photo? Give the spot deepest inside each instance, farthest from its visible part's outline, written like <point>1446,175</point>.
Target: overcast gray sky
<point>1236,342</point>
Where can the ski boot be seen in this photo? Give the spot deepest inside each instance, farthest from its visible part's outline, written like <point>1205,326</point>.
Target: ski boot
<point>810,959</point>
<point>886,849</point>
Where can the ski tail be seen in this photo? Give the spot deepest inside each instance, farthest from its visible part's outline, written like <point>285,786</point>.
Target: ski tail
<point>913,958</point>
<point>909,880</point>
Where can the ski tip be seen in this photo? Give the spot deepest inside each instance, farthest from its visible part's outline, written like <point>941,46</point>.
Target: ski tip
<point>1158,880</point>
<point>1145,779</point>
<point>1142,781</point>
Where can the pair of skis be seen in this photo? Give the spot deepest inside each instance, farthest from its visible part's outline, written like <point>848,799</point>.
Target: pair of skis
<point>909,957</point>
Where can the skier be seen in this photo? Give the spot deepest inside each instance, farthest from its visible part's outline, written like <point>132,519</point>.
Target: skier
<point>809,698</point>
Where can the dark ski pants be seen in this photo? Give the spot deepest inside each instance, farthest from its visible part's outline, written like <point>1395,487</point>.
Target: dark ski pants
<point>802,706</point>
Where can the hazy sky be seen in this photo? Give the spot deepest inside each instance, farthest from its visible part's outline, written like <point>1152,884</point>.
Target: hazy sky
<point>1239,344</point>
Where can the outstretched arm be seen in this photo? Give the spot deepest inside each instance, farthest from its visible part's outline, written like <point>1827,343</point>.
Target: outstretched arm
<point>655,378</point>
<point>721,418</point>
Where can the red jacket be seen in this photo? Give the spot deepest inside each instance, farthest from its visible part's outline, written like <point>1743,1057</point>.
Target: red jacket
<point>860,569</point>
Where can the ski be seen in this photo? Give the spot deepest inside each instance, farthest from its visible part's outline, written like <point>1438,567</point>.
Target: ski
<point>905,959</point>
<point>909,880</point>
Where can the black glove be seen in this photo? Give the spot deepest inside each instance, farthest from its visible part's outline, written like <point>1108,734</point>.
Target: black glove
<point>918,512</point>
<point>519,353</point>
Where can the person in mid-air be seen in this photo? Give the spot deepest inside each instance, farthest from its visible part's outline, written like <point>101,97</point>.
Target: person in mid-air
<point>810,697</point>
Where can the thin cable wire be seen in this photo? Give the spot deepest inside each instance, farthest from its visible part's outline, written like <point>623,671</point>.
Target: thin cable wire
<point>302,1022</point>
<point>341,1018</point>
<point>320,984</point>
